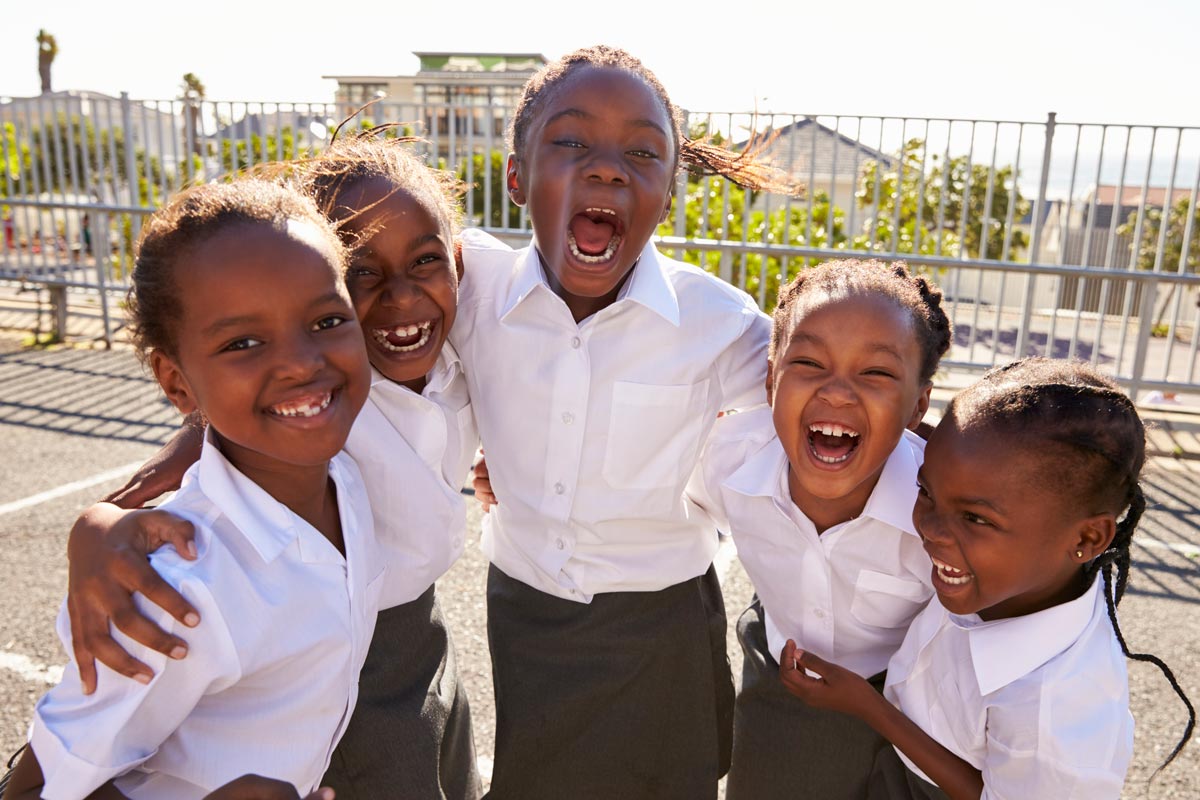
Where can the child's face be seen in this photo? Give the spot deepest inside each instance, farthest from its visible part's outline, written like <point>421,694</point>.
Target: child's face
<point>268,347</point>
<point>844,386</point>
<point>1003,543</point>
<point>596,177</point>
<point>402,280</point>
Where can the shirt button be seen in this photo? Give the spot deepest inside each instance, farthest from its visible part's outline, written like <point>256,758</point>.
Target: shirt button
<point>559,544</point>
<point>575,342</point>
<point>559,488</point>
<point>820,613</point>
<point>568,417</point>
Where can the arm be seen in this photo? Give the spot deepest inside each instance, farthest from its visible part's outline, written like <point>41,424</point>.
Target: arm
<point>482,484</point>
<point>106,552</point>
<point>842,690</point>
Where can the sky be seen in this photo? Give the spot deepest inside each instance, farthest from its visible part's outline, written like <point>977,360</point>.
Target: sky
<point>1100,61</point>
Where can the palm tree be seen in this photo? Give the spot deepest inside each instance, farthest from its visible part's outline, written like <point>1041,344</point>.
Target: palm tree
<point>47,50</point>
<point>193,95</point>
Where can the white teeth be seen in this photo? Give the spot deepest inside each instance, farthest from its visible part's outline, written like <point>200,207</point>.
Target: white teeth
<point>833,429</point>
<point>951,575</point>
<point>302,409</point>
<point>602,211</point>
<point>607,255</point>
<point>424,328</point>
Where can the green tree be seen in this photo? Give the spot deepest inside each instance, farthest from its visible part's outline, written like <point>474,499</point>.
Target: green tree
<point>913,219</point>
<point>488,191</point>
<point>236,156</point>
<point>1147,249</point>
<point>47,52</point>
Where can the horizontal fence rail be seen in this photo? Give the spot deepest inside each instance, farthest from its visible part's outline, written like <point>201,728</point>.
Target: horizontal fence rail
<point>1058,238</point>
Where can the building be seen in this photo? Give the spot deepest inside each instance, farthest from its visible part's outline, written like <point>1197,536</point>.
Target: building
<point>458,87</point>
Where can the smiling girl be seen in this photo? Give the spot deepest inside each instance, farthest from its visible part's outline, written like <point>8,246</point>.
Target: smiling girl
<point>285,569</point>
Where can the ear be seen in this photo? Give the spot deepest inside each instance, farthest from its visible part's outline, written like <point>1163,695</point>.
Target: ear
<point>770,383</point>
<point>666,212</point>
<point>918,413</point>
<point>458,259</point>
<point>173,382</point>
<point>1093,536</point>
<point>513,180</point>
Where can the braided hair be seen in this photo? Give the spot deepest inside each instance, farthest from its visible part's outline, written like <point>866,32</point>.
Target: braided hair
<point>1092,445</point>
<point>852,276</point>
<point>702,157</point>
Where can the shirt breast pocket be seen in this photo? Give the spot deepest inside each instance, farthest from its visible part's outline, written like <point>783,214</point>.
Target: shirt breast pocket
<point>885,601</point>
<point>654,434</point>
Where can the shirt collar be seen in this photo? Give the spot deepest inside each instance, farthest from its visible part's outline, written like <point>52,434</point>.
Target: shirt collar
<point>891,501</point>
<point>444,371</point>
<point>1005,650</point>
<point>648,286</point>
<point>262,520</point>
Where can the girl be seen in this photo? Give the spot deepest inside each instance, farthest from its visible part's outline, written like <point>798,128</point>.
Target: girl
<point>411,731</point>
<point>597,368</point>
<point>283,530</point>
<point>1020,495</point>
<point>817,491</point>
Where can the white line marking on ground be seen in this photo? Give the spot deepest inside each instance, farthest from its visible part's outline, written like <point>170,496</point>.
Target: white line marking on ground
<point>29,669</point>
<point>69,488</point>
<point>484,765</point>
<point>1183,548</point>
<point>726,555</point>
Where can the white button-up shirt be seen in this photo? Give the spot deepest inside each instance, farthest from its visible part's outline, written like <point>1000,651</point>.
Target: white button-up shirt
<point>1039,703</point>
<point>414,452</point>
<point>846,595</point>
<point>591,430</point>
<point>271,675</point>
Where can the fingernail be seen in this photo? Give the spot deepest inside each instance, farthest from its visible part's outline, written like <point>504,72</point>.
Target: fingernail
<point>178,652</point>
<point>192,619</point>
<point>191,548</point>
<point>142,678</point>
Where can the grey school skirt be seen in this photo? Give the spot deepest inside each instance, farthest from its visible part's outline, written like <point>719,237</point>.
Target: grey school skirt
<point>629,697</point>
<point>410,735</point>
<point>783,748</point>
<point>891,779</point>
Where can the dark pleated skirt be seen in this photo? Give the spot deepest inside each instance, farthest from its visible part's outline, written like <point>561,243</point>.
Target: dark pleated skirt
<point>891,779</point>
<point>786,749</point>
<point>625,698</point>
<point>410,735</point>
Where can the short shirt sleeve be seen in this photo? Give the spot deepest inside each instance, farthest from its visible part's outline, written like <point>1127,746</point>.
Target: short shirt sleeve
<point>742,367</point>
<point>82,741</point>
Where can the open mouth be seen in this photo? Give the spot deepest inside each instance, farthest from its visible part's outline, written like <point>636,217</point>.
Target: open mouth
<point>831,443</point>
<point>404,338</point>
<point>951,575</point>
<point>304,407</point>
<point>594,235</point>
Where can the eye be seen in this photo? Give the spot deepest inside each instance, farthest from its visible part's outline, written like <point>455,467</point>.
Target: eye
<point>643,153</point>
<point>428,259</point>
<point>879,372</point>
<point>975,519</point>
<point>245,343</point>
<point>569,143</point>
<point>806,362</point>
<point>326,323</point>
<point>921,490</point>
<point>360,271</point>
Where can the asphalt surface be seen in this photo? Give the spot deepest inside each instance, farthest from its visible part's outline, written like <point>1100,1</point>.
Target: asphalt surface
<point>70,417</point>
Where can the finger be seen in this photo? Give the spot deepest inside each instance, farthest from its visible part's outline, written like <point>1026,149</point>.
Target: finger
<point>84,661</point>
<point>162,528</point>
<point>136,575</point>
<point>113,656</point>
<point>481,470</point>
<point>131,622</point>
<point>324,793</point>
<point>812,663</point>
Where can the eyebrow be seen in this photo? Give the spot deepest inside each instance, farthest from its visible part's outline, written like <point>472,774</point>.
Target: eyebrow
<point>418,241</point>
<point>878,347</point>
<point>247,319</point>
<point>579,113</point>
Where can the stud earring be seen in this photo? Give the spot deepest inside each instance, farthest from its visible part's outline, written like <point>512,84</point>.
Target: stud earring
<point>1079,554</point>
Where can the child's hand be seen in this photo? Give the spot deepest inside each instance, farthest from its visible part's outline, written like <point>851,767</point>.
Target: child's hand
<point>256,787</point>
<point>838,689</point>
<point>107,563</point>
<point>483,486</point>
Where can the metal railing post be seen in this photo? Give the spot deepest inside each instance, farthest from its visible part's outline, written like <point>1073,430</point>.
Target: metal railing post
<point>1035,243</point>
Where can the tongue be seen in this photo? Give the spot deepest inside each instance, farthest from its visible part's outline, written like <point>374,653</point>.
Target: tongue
<point>591,237</point>
<point>832,446</point>
<point>397,340</point>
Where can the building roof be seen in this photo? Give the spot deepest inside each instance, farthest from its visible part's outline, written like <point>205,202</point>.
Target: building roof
<point>471,54</point>
<point>1106,194</point>
<point>806,146</point>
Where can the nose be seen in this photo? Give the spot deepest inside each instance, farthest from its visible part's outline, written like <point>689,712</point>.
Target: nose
<point>300,358</point>
<point>398,291</point>
<point>607,166</point>
<point>927,521</point>
<point>837,392</point>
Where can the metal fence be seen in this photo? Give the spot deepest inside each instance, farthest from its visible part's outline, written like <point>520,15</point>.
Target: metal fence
<point>1066,239</point>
